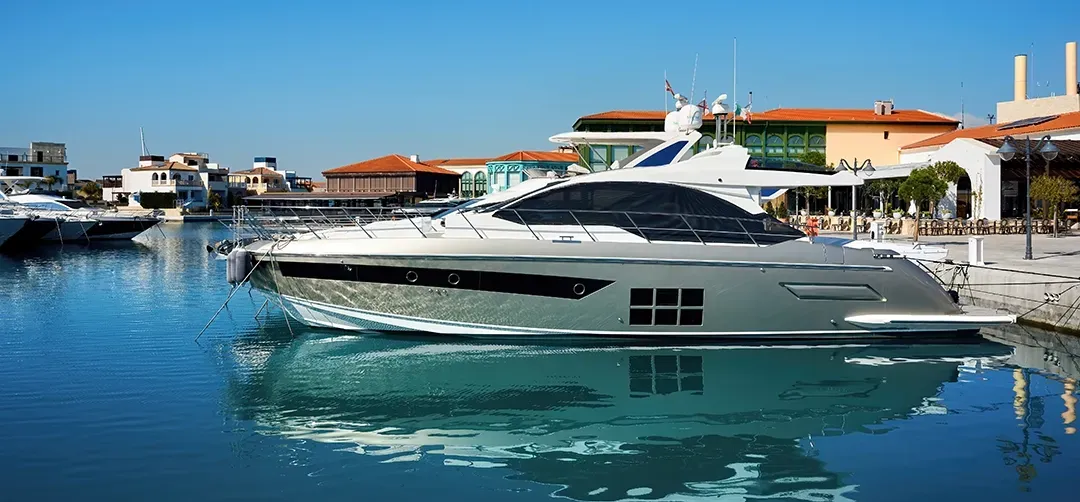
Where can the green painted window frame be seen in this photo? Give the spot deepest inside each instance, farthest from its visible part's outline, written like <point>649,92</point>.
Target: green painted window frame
<point>774,148</point>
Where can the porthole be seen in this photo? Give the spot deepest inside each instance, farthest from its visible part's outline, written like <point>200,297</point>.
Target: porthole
<point>579,289</point>
<point>411,276</point>
<point>453,279</point>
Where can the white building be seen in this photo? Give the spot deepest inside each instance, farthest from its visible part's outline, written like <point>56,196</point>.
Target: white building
<point>41,159</point>
<point>190,176</point>
<point>264,176</point>
<point>994,189</point>
<point>473,171</point>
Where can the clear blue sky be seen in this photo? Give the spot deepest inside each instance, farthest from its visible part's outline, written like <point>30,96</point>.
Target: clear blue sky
<point>322,84</point>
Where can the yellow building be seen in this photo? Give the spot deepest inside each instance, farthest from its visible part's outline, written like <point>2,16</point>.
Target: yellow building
<point>259,180</point>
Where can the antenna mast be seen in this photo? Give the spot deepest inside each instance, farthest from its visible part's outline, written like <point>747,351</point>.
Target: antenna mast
<point>142,139</point>
<point>961,104</point>
<point>693,79</point>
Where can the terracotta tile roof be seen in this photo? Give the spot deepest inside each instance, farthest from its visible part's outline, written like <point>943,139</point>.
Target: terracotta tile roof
<point>389,164</point>
<point>174,166</point>
<point>537,156</point>
<point>458,162</point>
<point>260,170</point>
<point>635,115</point>
<point>799,115</point>
<point>1061,122</point>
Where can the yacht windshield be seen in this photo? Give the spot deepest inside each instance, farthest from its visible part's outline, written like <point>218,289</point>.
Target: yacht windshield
<point>794,166</point>
<point>499,205</point>
<point>448,211</point>
<point>74,204</point>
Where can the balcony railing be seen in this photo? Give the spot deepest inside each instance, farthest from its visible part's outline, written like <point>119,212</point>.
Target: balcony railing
<point>182,183</point>
<point>33,159</point>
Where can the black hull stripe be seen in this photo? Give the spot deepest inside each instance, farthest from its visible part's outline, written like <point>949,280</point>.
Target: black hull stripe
<point>32,232</point>
<point>570,288</point>
<point>104,227</point>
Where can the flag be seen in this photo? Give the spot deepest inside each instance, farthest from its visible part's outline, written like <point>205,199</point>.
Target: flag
<point>704,107</point>
<point>749,105</point>
<point>667,87</point>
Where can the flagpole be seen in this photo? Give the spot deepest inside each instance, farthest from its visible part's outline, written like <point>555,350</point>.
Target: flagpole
<point>665,95</point>
<point>734,80</point>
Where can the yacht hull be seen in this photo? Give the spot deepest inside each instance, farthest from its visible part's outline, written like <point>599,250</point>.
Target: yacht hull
<point>120,227</point>
<point>541,288</point>
<point>30,234</point>
<point>9,226</point>
<point>70,231</point>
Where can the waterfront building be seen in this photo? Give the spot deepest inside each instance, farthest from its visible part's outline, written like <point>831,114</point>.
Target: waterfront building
<point>473,171</point>
<point>42,159</point>
<point>875,133</point>
<point>993,188</point>
<point>510,169</point>
<point>189,176</point>
<point>406,177</point>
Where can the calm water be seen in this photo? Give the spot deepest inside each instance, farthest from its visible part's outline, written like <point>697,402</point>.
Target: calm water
<point>104,395</point>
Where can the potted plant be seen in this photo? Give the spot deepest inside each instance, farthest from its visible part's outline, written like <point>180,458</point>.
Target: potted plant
<point>830,211</point>
<point>782,212</point>
<point>946,214</point>
<point>877,213</point>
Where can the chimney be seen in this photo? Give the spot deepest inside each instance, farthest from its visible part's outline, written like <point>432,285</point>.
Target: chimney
<point>1070,70</point>
<point>415,158</point>
<point>1020,78</point>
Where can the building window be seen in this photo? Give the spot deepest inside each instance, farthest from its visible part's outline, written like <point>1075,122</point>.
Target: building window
<point>480,184</point>
<point>753,143</point>
<point>153,177</point>
<point>796,145</point>
<point>466,185</point>
<point>497,180</point>
<point>36,171</point>
<point>598,156</point>
<point>774,145</point>
<point>817,143</point>
<point>513,178</point>
<point>886,134</point>
<point>619,152</point>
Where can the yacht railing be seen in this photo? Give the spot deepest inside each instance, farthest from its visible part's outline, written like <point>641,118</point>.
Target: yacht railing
<point>287,222</point>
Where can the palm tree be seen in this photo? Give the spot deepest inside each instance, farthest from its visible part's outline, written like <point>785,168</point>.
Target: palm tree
<point>50,180</point>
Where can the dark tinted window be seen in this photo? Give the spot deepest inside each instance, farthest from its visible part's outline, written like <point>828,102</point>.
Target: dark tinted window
<point>656,211</point>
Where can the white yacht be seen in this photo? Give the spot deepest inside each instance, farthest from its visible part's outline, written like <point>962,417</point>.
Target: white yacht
<point>669,244</point>
<point>10,224</point>
<point>75,219</point>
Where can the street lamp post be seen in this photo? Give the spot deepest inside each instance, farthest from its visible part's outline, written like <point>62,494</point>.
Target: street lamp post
<point>868,170</point>
<point>1049,152</point>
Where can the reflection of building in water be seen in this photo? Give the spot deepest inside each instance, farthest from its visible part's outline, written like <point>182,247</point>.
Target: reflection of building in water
<point>600,422</point>
<point>1034,446</point>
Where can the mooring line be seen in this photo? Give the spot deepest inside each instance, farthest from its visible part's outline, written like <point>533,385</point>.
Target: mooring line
<point>233,292</point>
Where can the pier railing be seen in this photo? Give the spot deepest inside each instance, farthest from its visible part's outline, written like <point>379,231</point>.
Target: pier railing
<point>288,222</point>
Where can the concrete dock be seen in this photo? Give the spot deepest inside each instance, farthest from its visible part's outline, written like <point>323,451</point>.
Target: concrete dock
<point>1044,291</point>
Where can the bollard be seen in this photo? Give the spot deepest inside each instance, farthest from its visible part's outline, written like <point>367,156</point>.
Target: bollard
<point>975,250</point>
<point>877,231</point>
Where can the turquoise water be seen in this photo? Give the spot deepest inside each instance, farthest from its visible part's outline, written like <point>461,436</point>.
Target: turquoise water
<point>105,395</point>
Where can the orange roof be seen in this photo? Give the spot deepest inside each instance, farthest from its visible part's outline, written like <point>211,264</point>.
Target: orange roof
<point>389,164</point>
<point>537,156</point>
<point>260,170</point>
<point>800,115</point>
<point>458,162</point>
<point>174,166</point>
<point>1061,122</point>
<point>634,115</point>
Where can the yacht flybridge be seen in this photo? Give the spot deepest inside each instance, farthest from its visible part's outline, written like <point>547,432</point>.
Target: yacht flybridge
<point>669,243</point>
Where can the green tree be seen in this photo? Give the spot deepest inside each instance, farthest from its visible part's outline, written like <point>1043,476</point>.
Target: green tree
<point>1055,191</point>
<point>815,158</point>
<point>810,193</point>
<point>923,185</point>
<point>215,201</point>
<point>50,180</point>
<point>887,187</point>
<point>90,191</point>
<point>769,209</point>
<point>948,170</point>
<point>782,212</point>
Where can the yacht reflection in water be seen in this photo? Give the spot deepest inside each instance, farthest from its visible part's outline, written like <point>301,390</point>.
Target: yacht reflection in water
<point>604,423</point>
